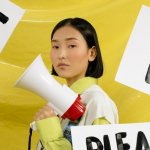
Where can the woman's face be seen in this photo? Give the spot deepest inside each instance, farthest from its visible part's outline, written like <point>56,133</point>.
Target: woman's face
<point>69,54</point>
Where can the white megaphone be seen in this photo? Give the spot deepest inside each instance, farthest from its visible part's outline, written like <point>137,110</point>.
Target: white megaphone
<point>62,99</point>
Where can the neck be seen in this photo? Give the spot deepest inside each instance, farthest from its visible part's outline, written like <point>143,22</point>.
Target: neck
<point>70,82</point>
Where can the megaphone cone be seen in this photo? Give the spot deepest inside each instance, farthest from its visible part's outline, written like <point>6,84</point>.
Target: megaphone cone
<point>62,99</point>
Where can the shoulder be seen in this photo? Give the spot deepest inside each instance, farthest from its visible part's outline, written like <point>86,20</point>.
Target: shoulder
<point>95,89</point>
<point>95,93</point>
<point>99,104</point>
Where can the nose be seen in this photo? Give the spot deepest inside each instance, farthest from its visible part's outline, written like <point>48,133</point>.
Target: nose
<point>62,53</point>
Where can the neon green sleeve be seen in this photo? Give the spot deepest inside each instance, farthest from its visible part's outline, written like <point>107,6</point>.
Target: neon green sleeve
<point>100,121</point>
<point>51,134</point>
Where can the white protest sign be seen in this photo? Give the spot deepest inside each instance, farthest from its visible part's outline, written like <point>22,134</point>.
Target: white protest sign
<point>134,69</point>
<point>111,137</point>
<point>10,15</point>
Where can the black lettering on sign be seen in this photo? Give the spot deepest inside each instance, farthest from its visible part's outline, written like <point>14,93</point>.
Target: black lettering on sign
<point>107,143</point>
<point>142,142</point>
<point>120,144</point>
<point>3,18</point>
<point>95,140</point>
<point>147,77</point>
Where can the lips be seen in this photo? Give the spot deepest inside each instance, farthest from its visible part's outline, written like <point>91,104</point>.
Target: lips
<point>62,65</point>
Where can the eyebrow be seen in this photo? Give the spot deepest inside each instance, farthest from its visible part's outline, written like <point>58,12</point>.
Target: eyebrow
<point>67,39</point>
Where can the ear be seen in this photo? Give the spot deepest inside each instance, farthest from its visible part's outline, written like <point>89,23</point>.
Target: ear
<point>92,53</point>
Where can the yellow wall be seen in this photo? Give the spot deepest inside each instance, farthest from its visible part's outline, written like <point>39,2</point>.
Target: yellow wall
<point>113,20</point>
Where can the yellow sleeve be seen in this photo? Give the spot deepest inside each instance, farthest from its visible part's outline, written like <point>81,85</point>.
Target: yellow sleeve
<point>100,121</point>
<point>51,134</point>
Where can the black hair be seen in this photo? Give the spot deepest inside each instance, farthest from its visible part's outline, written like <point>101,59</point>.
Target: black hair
<point>95,67</point>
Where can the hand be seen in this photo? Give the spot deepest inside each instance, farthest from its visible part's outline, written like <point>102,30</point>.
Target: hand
<point>44,112</point>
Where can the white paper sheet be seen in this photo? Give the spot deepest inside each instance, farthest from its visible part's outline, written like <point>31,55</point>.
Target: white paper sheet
<point>133,70</point>
<point>80,134</point>
<point>14,15</point>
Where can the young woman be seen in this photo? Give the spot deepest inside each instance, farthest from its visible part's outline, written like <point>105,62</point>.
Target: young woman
<point>75,56</point>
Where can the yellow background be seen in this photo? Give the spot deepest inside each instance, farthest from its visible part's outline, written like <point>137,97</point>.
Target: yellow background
<point>113,20</point>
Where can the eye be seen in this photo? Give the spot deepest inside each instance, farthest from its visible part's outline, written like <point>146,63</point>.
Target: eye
<point>55,47</point>
<point>72,46</point>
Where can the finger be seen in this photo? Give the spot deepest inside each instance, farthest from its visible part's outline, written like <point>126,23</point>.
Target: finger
<point>48,107</point>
